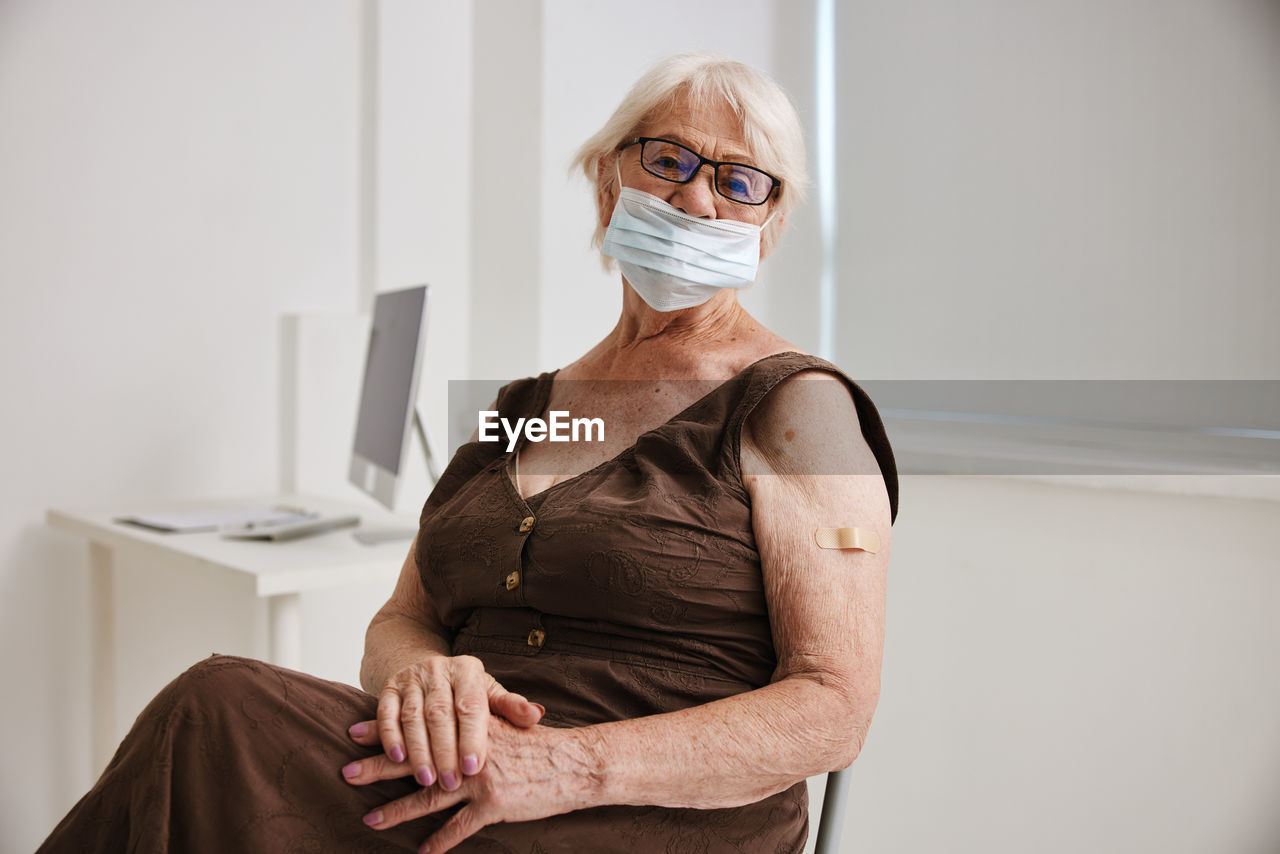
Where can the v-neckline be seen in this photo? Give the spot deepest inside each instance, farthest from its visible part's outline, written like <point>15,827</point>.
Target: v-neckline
<point>545,384</point>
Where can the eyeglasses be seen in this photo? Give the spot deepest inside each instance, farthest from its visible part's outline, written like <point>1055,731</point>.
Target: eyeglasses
<point>671,161</point>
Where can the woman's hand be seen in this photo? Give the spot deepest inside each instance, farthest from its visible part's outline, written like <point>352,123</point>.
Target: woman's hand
<point>532,773</point>
<point>434,716</point>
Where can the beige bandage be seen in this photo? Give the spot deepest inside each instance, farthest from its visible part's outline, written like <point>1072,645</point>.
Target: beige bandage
<point>847,538</point>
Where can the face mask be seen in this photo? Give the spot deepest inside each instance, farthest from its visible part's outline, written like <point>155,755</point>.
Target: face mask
<point>674,260</point>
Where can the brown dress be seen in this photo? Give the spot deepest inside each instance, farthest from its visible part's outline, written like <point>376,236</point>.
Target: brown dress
<point>632,589</point>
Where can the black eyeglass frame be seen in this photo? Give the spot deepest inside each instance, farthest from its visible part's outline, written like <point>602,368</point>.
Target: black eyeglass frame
<point>703,161</point>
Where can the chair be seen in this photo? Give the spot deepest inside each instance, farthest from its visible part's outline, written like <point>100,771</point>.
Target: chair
<point>832,819</point>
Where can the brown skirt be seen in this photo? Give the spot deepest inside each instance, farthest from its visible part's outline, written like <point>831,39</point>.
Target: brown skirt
<point>240,756</point>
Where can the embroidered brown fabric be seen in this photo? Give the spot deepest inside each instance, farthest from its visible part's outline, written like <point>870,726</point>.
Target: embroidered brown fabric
<point>632,589</point>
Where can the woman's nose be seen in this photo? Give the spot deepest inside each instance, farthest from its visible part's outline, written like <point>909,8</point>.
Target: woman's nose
<point>697,197</point>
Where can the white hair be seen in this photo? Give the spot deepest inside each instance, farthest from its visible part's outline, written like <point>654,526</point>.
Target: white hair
<point>770,126</point>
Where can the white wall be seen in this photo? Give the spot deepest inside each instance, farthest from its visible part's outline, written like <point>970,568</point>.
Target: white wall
<point>1073,670</point>
<point>1059,190</point>
<point>1064,190</point>
<point>172,181</point>
<point>175,178</point>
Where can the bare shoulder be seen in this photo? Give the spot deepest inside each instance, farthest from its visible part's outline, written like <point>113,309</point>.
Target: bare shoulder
<point>805,437</point>
<point>806,421</point>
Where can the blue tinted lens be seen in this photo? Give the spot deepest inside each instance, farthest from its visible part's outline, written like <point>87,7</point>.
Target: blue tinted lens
<point>668,160</point>
<point>743,183</point>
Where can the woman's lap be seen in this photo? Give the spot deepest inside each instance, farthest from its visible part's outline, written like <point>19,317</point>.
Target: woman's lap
<point>239,755</point>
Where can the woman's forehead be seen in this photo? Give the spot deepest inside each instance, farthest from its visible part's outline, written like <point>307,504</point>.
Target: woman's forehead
<point>714,131</point>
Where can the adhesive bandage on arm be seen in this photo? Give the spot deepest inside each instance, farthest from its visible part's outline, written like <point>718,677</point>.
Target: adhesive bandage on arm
<point>847,538</point>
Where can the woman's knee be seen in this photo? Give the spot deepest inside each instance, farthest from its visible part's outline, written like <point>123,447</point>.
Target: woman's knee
<point>226,683</point>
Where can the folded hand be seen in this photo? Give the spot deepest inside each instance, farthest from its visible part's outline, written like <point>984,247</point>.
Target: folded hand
<point>531,773</point>
<point>434,714</point>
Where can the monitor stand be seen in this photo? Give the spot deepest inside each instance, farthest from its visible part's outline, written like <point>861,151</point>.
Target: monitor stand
<point>377,536</point>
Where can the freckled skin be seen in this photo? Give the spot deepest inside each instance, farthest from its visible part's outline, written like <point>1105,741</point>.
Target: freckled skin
<point>826,606</point>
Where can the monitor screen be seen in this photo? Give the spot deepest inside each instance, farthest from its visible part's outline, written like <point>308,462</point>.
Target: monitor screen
<point>388,395</point>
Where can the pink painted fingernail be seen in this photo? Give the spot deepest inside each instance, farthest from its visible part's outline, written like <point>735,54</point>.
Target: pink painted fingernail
<point>424,776</point>
<point>359,730</point>
<point>396,754</point>
<point>449,781</point>
<point>351,770</point>
<point>470,764</point>
<point>373,818</point>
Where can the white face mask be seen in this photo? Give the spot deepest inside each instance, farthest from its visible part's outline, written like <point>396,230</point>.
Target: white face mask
<point>674,260</point>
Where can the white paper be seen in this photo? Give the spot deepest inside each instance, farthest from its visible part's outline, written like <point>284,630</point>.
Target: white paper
<point>190,521</point>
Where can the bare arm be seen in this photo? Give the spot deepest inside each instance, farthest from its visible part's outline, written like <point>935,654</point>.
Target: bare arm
<point>405,630</point>
<point>806,466</point>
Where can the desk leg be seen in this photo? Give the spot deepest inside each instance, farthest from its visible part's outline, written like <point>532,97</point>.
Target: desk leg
<point>102,594</point>
<point>285,620</point>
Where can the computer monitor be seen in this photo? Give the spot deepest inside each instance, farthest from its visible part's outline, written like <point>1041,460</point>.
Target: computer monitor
<point>388,415</point>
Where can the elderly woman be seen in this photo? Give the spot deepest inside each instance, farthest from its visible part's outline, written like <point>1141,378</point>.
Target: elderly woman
<point>640,644</point>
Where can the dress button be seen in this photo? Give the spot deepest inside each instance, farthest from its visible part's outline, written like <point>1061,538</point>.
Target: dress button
<point>526,524</point>
<point>513,580</point>
<point>536,637</point>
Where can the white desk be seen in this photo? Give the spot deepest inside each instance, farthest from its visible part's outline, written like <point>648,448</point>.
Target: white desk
<point>280,571</point>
